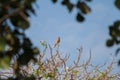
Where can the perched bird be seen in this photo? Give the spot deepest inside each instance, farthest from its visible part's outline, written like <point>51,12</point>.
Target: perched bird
<point>56,42</point>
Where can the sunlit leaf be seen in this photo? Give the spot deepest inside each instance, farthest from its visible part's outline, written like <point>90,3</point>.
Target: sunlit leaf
<point>10,49</point>
<point>43,43</point>
<point>4,62</point>
<point>40,63</point>
<point>35,51</point>
<point>51,74</point>
<point>2,44</point>
<point>113,76</point>
<point>91,79</point>
<point>15,65</point>
<point>83,7</point>
<point>45,76</point>
<point>68,4</point>
<point>75,71</point>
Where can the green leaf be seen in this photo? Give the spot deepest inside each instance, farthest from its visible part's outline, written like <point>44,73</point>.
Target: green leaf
<point>51,74</point>
<point>45,76</point>
<point>25,57</point>
<point>70,6</point>
<point>83,7</point>
<point>43,43</point>
<point>54,1</point>
<point>79,18</point>
<point>64,2</point>
<point>5,62</point>
<point>23,24</point>
<point>89,0</point>
<point>40,63</point>
<point>35,50</point>
<point>110,42</point>
<point>117,4</point>
<point>19,22</point>
<point>91,78</point>
<point>2,44</point>
<point>75,71</point>
<point>10,49</point>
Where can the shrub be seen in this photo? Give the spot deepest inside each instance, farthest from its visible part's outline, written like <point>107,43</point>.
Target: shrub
<point>55,67</point>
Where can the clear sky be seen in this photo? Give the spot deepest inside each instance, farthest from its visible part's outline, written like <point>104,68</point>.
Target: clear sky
<point>52,21</point>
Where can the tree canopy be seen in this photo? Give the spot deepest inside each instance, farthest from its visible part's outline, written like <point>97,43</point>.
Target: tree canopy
<point>14,44</point>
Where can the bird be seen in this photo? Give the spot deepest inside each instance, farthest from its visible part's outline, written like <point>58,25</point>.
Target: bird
<point>56,42</point>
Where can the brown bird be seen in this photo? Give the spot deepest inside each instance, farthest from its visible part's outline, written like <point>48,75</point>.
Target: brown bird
<point>56,42</point>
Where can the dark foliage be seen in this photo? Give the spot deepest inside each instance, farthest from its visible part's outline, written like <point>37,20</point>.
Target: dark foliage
<point>13,41</point>
<point>114,32</point>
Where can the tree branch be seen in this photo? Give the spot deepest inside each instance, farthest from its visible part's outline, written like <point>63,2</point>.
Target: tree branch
<point>10,14</point>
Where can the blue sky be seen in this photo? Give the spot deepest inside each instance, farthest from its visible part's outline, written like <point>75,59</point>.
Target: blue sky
<point>52,21</point>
